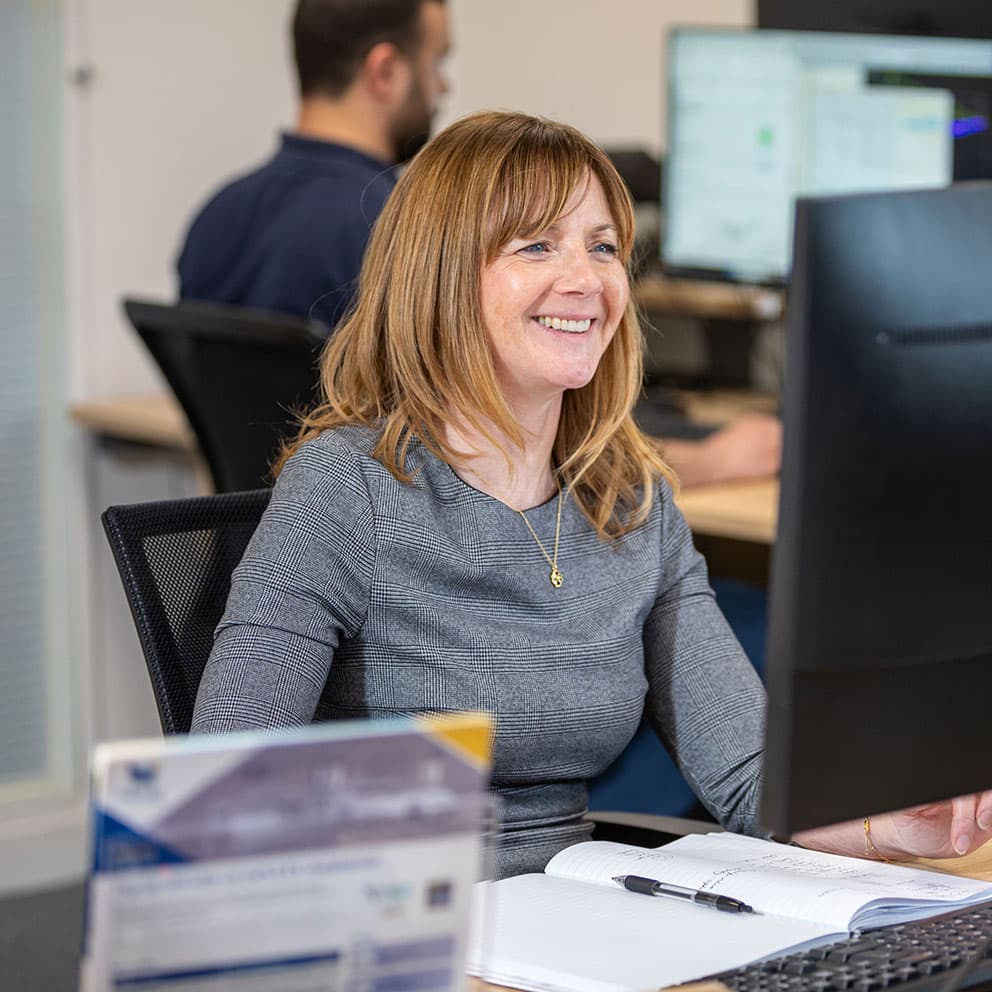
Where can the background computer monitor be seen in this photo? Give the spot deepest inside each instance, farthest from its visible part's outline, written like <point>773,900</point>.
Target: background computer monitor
<point>756,118</point>
<point>879,665</point>
<point>953,18</point>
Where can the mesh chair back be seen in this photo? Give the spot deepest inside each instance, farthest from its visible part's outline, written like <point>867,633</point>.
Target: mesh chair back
<point>175,559</point>
<point>239,375</point>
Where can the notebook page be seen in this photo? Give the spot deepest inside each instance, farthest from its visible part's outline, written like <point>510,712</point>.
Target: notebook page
<point>544,934</point>
<point>879,887</point>
<point>773,878</point>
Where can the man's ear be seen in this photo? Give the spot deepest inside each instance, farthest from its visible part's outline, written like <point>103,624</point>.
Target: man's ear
<point>387,72</point>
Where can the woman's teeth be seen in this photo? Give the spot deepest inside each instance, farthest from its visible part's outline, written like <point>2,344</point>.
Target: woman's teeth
<point>571,326</point>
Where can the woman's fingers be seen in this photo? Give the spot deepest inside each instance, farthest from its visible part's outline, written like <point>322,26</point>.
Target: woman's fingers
<point>963,812</point>
<point>984,814</point>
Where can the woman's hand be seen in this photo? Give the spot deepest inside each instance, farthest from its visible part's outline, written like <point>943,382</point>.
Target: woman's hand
<point>946,829</point>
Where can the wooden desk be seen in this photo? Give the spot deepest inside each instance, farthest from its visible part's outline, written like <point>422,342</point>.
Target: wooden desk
<point>154,418</point>
<point>978,864</point>
<point>745,511</point>
<point>742,511</point>
<point>716,407</point>
<point>709,300</point>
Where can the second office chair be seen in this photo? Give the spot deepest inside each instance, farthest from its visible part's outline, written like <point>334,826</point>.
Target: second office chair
<point>239,375</point>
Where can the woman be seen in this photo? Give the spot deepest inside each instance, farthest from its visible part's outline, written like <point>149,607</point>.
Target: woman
<point>471,518</point>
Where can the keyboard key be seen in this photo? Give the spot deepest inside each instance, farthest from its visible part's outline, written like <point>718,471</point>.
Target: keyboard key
<point>799,967</point>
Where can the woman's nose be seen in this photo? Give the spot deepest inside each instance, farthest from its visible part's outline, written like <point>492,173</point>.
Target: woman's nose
<point>578,273</point>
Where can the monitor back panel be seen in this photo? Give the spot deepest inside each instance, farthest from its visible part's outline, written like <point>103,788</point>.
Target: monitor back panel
<point>880,639</point>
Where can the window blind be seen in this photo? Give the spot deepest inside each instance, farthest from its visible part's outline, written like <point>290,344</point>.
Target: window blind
<point>29,207</point>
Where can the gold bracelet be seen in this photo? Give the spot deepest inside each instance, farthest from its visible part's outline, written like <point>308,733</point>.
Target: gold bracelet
<point>870,848</point>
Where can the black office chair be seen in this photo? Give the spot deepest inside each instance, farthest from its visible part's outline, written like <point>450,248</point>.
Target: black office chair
<point>175,559</point>
<point>239,376</point>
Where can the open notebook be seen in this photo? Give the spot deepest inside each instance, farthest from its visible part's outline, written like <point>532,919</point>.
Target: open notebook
<point>333,856</point>
<point>574,928</point>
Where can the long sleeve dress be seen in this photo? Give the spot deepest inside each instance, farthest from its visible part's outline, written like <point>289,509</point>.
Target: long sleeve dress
<point>363,596</point>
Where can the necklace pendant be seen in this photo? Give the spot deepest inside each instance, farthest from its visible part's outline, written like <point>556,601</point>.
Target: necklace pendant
<point>556,577</point>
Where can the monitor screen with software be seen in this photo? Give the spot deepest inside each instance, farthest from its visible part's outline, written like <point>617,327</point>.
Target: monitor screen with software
<point>880,630</point>
<point>757,117</point>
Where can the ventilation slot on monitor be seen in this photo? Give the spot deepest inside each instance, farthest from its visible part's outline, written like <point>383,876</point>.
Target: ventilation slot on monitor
<point>963,334</point>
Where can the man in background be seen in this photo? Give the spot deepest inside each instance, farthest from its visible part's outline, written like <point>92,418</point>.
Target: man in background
<point>289,236</point>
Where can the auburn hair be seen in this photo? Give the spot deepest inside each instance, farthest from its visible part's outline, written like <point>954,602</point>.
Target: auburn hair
<point>413,349</point>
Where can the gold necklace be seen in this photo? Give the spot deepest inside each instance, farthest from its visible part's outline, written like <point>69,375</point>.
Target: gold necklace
<point>556,577</point>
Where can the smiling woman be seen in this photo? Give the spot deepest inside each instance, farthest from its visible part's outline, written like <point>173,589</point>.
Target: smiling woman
<point>476,429</point>
<point>504,223</point>
<point>471,519</point>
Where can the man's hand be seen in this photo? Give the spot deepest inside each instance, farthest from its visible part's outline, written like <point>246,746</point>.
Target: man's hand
<point>749,447</point>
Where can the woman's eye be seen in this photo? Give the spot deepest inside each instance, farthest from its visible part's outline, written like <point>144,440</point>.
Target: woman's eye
<point>605,248</point>
<point>537,248</point>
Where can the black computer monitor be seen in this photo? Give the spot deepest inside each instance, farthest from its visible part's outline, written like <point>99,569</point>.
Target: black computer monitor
<point>953,18</point>
<point>757,117</point>
<point>879,662</point>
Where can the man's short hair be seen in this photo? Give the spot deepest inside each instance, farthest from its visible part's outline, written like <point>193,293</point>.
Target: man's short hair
<point>332,37</point>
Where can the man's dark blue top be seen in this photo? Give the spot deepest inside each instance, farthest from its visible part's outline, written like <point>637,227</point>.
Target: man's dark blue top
<point>290,236</point>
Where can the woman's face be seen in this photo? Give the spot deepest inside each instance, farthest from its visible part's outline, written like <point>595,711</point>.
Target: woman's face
<point>551,304</point>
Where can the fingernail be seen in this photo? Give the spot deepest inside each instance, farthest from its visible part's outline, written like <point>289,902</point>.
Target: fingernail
<point>962,844</point>
<point>985,819</point>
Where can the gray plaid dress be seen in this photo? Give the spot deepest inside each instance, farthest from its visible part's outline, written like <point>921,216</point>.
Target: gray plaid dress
<point>360,596</point>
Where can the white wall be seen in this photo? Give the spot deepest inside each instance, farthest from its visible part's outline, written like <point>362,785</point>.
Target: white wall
<point>598,65</point>
<point>178,95</point>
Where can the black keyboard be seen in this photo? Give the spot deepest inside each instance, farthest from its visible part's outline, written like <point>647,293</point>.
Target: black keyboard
<point>923,956</point>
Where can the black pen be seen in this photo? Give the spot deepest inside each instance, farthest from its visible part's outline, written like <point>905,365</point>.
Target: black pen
<point>651,887</point>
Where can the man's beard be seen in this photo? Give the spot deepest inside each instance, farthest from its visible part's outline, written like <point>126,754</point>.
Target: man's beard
<point>412,126</point>
<point>412,145</point>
